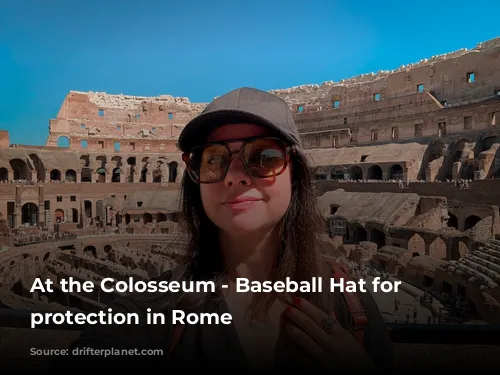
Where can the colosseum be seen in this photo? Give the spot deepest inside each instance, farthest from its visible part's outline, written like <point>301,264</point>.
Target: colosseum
<point>407,167</point>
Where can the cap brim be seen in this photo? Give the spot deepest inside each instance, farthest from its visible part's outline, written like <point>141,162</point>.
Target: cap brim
<point>197,131</point>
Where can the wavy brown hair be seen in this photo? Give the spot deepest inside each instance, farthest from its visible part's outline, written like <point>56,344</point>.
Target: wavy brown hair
<point>299,256</point>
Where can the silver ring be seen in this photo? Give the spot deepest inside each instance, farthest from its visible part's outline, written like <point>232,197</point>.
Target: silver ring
<point>328,323</point>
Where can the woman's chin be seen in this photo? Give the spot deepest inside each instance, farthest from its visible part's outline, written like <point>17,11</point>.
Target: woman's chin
<point>245,223</point>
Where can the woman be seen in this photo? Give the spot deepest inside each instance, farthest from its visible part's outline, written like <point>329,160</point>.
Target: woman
<point>250,211</point>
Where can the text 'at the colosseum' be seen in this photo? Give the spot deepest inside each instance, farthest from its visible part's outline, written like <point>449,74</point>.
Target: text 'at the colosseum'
<point>407,164</point>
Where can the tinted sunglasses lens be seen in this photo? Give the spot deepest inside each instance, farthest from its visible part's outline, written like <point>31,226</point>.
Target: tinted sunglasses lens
<point>265,157</point>
<point>209,163</point>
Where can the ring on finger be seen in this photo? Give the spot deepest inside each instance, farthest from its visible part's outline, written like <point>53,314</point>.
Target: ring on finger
<point>328,323</point>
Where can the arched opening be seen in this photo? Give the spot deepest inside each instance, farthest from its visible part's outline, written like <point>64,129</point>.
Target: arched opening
<point>90,250</point>
<point>86,175</point>
<point>21,170</point>
<point>416,244</point>
<point>471,221</point>
<point>127,219</point>
<point>88,208</point>
<point>59,215</point>
<point>29,214</point>
<point>4,174</point>
<point>396,172</point>
<point>70,175</point>
<point>107,249</point>
<point>437,249</point>
<point>377,237</point>
<point>320,174</point>
<point>55,175</point>
<point>374,173</point>
<point>337,174</point>
<point>172,171</point>
<point>63,141</point>
<point>101,175</point>
<point>452,221</point>
<point>116,175</point>
<point>74,214</point>
<point>131,162</point>
<point>161,217</point>
<point>148,218</point>
<point>359,234</point>
<point>356,173</point>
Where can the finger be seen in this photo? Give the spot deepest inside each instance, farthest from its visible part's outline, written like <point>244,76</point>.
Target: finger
<point>304,341</point>
<point>309,326</point>
<point>310,310</point>
<point>316,314</point>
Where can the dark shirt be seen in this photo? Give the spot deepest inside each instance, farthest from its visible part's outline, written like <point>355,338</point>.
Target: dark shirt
<point>203,347</point>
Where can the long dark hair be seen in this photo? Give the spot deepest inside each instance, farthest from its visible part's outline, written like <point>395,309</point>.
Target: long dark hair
<point>299,256</point>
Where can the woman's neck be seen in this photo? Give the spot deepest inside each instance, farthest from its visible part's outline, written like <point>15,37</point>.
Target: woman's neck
<point>251,256</point>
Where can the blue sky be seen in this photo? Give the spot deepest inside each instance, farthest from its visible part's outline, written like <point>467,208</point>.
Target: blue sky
<point>201,49</point>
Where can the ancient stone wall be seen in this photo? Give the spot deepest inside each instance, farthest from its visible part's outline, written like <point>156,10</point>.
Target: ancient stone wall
<point>99,121</point>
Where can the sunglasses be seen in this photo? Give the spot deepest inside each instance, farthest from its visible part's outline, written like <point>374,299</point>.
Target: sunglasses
<point>262,157</point>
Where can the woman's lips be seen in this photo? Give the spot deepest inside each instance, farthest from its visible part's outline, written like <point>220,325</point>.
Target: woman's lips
<point>242,203</point>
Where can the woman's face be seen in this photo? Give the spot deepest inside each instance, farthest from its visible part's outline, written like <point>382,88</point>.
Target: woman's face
<point>270,197</point>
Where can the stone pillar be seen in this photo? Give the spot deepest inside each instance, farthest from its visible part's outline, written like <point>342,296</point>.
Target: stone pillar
<point>123,175</point>
<point>455,171</point>
<point>180,173</point>
<point>34,176</point>
<point>495,225</point>
<point>47,176</point>
<point>78,176</point>
<point>149,176</point>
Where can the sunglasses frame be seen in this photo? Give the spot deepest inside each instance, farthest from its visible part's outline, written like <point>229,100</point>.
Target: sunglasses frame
<point>286,147</point>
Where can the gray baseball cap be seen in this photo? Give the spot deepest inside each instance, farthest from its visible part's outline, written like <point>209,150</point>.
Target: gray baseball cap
<point>243,105</point>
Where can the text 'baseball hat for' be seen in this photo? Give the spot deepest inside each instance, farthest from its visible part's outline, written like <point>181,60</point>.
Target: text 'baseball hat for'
<point>241,106</point>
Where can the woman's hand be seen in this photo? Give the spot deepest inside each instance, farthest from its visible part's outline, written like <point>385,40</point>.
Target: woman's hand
<point>323,338</point>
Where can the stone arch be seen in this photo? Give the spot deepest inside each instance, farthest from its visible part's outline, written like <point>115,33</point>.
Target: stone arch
<point>396,172</point>
<point>416,244</point>
<point>471,221</point>
<point>63,141</point>
<point>29,214</point>
<point>116,175</point>
<point>320,174</point>
<point>374,173</point>
<point>70,175</point>
<point>21,169</point>
<point>377,237</point>
<point>161,217</point>
<point>148,218</point>
<point>173,171</point>
<point>359,233</point>
<point>101,175</point>
<point>88,208</point>
<point>4,174</point>
<point>356,173</point>
<point>55,175</point>
<point>452,221</point>
<point>131,162</point>
<point>59,215</point>
<point>74,215</point>
<point>90,250</point>
<point>437,249</point>
<point>337,173</point>
<point>86,175</point>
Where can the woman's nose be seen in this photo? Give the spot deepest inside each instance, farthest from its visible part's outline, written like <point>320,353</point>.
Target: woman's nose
<point>237,174</point>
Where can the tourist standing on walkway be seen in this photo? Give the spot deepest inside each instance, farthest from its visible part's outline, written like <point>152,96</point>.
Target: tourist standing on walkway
<point>250,211</point>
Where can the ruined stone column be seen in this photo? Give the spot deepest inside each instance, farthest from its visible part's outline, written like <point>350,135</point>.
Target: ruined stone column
<point>455,171</point>
<point>180,173</point>
<point>78,176</point>
<point>495,225</point>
